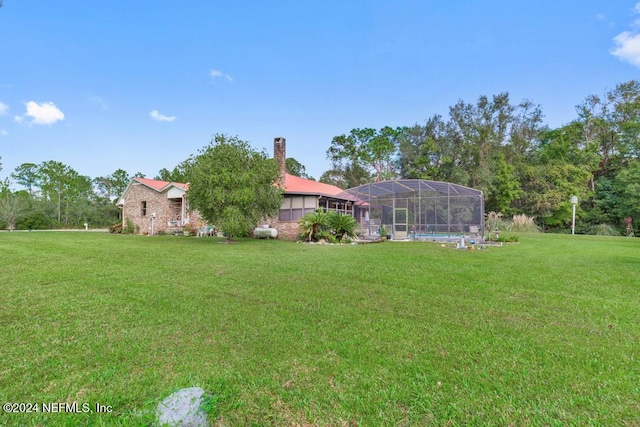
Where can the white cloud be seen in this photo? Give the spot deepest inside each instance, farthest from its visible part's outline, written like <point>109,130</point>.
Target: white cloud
<point>217,74</point>
<point>627,47</point>
<point>41,114</point>
<point>3,109</point>
<point>155,115</point>
<point>3,132</point>
<point>627,44</point>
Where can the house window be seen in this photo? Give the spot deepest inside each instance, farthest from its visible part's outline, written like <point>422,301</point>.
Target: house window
<point>295,207</point>
<point>144,208</point>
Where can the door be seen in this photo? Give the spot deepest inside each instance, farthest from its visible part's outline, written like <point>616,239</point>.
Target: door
<point>400,223</point>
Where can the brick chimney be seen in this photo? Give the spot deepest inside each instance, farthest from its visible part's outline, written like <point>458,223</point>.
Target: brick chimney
<point>280,156</point>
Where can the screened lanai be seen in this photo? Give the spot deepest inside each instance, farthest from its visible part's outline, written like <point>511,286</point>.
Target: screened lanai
<point>418,209</point>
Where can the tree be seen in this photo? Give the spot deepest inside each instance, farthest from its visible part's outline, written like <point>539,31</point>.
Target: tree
<point>12,208</point>
<point>27,175</point>
<point>112,186</point>
<point>346,175</point>
<point>369,148</point>
<point>119,181</point>
<point>178,174</point>
<point>627,185</point>
<point>507,188</point>
<point>53,176</point>
<point>418,155</point>
<point>233,186</point>
<point>296,168</point>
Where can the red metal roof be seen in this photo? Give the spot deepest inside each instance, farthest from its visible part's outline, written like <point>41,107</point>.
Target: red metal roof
<point>296,185</point>
<point>292,185</point>
<point>158,185</point>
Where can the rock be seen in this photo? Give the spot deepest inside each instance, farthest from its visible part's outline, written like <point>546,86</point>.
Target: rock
<point>182,409</point>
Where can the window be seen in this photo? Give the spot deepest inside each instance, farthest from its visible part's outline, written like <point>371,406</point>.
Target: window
<point>144,208</point>
<point>295,207</point>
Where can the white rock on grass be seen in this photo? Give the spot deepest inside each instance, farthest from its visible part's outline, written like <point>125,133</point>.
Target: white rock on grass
<point>182,409</point>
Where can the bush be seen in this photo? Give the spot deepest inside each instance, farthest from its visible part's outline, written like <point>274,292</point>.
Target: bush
<point>604,230</point>
<point>494,222</point>
<point>508,238</point>
<point>330,226</point>
<point>130,228</point>
<point>523,224</point>
<point>313,225</point>
<point>343,226</point>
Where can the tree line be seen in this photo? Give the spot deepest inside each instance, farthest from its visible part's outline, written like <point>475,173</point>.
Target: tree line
<point>54,195</point>
<point>522,165</point>
<point>502,148</point>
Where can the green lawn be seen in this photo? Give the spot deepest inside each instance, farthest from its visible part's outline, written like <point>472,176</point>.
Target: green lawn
<point>546,332</point>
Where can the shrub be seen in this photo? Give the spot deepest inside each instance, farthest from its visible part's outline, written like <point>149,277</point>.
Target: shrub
<point>343,226</point>
<point>508,238</point>
<point>130,228</point>
<point>330,226</point>
<point>313,225</point>
<point>523,224</point>
<point>604,230</point>
<point>116,228</point>
<point>494,222</point>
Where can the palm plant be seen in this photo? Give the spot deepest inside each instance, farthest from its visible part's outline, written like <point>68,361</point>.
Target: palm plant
<point>314,225</point>
<point>343,226</point>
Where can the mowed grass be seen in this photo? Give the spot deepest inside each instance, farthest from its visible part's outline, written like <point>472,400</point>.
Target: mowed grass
<point>546,332</point>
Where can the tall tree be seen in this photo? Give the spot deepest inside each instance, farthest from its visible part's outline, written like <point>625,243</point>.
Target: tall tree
<point>232,186</point>
<point>346,175</point>
<point>27,175</point>
<point>112,186</point>
<point>506,188</point>
<point>54,178</point>
<point>372,149</point>
<point>296,168</point>
<point>178,174</point>
<point>12,208</point>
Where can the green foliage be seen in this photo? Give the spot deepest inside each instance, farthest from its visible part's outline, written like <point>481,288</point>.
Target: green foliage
<point>506,187</point>
<point>345,175</point>
<point>494,221</point>
<point>549,188</point>
<point>231,185</point>
<point>369,148</point>
<point>180,173</point>
<point>331,226</point>
<point>12,209</point>
<point>314,226</point>
<point>130,227</point>
<point>27,176</point>
<point>296,168</point>
<point>508,238</point>
<point>523,224</point>
<point>343,226</point>
<point>604,230</point>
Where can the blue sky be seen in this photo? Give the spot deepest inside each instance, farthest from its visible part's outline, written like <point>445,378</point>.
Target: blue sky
<point>141,85</point>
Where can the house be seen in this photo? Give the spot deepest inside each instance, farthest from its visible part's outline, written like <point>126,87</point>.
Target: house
<point>155,206</point>
<point>305,195</point>
<point>158,206</point>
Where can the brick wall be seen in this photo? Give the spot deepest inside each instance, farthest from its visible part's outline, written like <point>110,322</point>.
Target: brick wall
<point>157,202</point>
<point>287,230</point>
